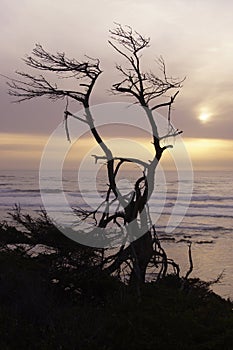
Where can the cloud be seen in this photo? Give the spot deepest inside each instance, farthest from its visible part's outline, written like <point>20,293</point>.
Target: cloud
<point>194,37</point>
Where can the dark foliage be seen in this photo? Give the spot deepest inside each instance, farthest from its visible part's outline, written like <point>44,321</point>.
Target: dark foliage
<point>97,312</point>
<point>47,303</point>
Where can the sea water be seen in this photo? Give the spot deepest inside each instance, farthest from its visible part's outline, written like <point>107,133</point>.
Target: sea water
<point>207,223</point>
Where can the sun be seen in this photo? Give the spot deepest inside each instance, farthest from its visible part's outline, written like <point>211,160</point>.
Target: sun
<point>204,117</point>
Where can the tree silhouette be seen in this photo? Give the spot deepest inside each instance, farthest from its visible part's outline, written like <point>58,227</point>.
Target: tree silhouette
<point>132,215</point>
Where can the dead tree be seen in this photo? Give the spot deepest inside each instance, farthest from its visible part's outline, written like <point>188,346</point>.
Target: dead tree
<point>146,89</point>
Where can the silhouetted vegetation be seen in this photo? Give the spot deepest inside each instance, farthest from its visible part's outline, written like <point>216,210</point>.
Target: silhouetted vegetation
<point>63,300</point>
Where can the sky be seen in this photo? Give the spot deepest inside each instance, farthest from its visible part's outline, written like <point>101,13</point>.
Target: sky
<point>194,37</point>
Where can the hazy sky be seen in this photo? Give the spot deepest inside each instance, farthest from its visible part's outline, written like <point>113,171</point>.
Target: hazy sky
<point>194,37</point>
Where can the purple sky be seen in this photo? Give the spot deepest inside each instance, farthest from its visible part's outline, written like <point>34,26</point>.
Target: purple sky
<point>194,37</point>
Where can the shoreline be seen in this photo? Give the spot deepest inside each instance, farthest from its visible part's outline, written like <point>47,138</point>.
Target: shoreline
<point>177,249</point>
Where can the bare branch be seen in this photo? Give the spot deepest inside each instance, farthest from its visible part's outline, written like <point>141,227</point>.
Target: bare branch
<point>190,261</point>
<point>165,104</point>
<point>67,113</point>
<point>176,133</point>
<point>129,160</point>
<point>66,120</point>
<point>131,40</point>
<point>38,86</point>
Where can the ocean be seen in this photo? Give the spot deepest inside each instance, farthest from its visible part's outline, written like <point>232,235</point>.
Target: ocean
<point>205,219</point>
